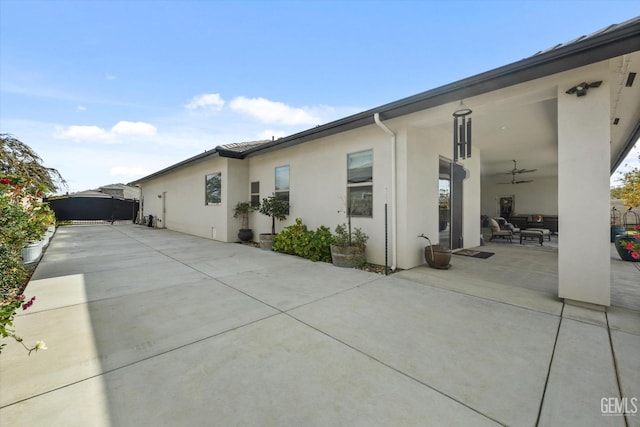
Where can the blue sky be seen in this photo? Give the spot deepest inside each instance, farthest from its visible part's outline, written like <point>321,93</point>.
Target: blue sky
<point>110,91</point>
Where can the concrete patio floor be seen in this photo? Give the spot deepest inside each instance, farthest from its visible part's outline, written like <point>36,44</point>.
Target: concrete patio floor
<point>154,327</point>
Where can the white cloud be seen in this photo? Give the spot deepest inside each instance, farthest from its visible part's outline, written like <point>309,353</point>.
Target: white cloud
<point>128,172</point>
<point>273,112</point>
<point>81,108</point>
<point>134,129</point>
<point>210,101</point>
<point>97,134</point>
<point>91,133</point>
<point>110,77</point>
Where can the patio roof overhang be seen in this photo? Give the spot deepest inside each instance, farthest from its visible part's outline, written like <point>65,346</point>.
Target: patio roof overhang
<point>613,42</point>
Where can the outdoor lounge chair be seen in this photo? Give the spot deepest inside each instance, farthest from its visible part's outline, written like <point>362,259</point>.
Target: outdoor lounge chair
<point>497,232</point>
<point>505,225</point>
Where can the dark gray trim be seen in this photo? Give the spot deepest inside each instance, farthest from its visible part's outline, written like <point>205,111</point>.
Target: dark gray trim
<point>609,43</point>
<point>232,154</point>
<point>176,166</point>
<point>633,137</point>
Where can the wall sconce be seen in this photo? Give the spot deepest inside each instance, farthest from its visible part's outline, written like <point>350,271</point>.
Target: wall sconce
<point>159,196</point>
<point>461,133</point>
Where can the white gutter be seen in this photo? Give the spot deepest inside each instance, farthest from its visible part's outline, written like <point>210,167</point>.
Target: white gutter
<point>394,224</point>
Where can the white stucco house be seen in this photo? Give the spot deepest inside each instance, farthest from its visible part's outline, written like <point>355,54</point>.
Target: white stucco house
<point>398,157</point>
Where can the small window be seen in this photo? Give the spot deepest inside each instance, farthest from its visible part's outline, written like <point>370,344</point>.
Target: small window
<point>282,183</point>
<point>213,189</point>
<point>255,193</point>
<point>360,183</point>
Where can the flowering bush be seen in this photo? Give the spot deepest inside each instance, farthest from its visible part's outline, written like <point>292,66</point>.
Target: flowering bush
<point>633,247</point>
<point>8,307</point>
<point>23,218</point>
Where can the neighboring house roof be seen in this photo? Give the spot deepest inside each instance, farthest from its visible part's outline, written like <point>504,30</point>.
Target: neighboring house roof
<point>90,193</point>
<point>235,150</point>
<point>119,191</point>
<point>612,41</point>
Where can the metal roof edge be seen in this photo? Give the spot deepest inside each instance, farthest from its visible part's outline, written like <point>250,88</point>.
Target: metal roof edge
<point>585,50</point>
<point>174,167</point>
<point>631,141</point>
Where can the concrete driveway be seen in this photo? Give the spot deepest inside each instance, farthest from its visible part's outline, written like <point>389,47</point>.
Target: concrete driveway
<point>158,328</point>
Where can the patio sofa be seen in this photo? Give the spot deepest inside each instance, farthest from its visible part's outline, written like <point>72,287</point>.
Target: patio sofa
<point>527,221</point>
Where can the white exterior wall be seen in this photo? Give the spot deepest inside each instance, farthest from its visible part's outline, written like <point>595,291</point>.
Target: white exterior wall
<point>583,192</point>
<point>318,184</point>
<point>418,187</point>
<point>537,197</point>
<point>186,211</point>
<point>418,176</point>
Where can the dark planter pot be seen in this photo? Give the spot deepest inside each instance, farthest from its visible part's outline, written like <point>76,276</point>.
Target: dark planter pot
<point>615,231</point>
<point>266,241</point>
<point>245,235</point>
<point>347,256</point>
<point>437,256</point>
<point>625,254</point>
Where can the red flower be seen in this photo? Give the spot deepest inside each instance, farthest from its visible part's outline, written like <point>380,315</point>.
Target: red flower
<point>635,255</point>
<point>5,181</point>
<point>28,303</point>
<point>629,246</point>
<point>637,227</point>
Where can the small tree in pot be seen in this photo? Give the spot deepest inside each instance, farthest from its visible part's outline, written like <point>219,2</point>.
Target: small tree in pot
<point>348,247</point>
<point>276,209</point>
<point>242,210</point>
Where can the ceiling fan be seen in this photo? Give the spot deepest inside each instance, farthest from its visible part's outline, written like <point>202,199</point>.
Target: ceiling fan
<point>515,171</point>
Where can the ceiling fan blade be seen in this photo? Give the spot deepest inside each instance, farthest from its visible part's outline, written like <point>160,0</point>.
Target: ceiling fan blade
<point>595,84</point>
<point>527,170</point>
<point>523,181</point>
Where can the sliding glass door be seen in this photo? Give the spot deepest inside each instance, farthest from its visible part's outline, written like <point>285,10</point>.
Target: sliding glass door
<point>450,204</point>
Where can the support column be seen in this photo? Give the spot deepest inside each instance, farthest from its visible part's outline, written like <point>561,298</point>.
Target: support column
<point>583,196</point>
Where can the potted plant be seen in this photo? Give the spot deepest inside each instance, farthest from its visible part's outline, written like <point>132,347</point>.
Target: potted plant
<point>628,245</point>
<point>276,209</point>
<point>347,248</point>
<point>242,210</point>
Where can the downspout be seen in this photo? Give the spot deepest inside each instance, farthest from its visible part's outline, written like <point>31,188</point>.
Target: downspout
<point>394,225</point>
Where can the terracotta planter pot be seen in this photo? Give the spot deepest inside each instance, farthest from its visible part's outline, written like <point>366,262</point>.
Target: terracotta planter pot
<point>437,256</point>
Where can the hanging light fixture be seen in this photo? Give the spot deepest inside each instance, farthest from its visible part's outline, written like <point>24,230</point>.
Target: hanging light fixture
<point>461,133</point>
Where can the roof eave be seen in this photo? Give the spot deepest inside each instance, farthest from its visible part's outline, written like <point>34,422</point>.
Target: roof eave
<point>174,167</point>
<point>606,45</point>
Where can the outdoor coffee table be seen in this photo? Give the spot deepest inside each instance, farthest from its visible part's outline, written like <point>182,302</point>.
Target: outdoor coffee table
<point>545,232</point>
<point>531,234</point>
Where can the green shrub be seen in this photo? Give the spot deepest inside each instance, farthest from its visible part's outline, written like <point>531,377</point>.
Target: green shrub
<point>298,240</point>
<point>345,237</point>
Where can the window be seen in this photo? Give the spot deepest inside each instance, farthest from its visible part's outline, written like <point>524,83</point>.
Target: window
<point>255,193</point>
<point>213,189</point>
<point>282,183</point>
<point>360,183</point>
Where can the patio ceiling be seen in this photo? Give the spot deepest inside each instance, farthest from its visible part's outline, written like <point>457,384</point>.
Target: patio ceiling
<point>520,122</point>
